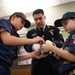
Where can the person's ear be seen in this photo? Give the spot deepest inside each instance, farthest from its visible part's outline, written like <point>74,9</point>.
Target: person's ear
<point>13,17</point>
<point>45,17</point>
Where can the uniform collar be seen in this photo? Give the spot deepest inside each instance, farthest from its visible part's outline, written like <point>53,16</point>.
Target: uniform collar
<point>43,27</point>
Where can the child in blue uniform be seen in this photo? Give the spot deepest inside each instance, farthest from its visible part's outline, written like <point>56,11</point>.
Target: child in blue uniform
<point>9,41</point>
<point>67,53</point>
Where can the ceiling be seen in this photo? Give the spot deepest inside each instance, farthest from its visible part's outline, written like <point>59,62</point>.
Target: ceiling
<point>7,7</point>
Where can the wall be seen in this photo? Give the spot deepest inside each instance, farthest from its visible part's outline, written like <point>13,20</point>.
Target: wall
<point>53,13</point>
<point>56,12</point>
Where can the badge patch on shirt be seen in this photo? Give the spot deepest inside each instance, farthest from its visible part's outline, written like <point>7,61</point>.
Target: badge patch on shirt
<point>34,34</point>
<point>73,39</point>
<point>51,31</point>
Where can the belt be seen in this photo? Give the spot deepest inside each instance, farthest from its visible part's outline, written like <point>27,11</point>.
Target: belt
<point>72,72</point>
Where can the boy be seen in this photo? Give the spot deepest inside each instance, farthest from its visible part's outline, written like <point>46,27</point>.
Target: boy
<point>67,53</point>
<point>9,41</point>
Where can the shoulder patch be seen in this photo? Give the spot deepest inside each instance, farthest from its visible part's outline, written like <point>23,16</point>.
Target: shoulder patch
<point>73,36</point>
<point>48,26</point>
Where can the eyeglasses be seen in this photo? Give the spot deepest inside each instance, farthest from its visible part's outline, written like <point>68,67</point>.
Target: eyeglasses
<point>22,21</point>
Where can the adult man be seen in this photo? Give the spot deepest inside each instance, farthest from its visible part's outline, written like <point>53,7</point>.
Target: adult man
<point>44,66</point>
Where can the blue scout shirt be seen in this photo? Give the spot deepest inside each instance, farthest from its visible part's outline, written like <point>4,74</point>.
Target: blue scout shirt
<point>70,46</point>
<point>7,52</point>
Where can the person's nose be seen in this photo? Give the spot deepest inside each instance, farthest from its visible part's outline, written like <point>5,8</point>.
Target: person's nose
<point>38,20</point>
<point>22,25</point>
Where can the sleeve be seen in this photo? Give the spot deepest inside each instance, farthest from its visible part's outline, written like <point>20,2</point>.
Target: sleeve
<point>59,40</point>
<point>28,47</point>
<point>71,44</point>
<point>5,24</point>
<point>2,29</point>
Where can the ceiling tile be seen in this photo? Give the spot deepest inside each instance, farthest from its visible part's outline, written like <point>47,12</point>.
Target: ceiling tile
<point>7,7</point>
<point>66,1</point>
<point>54,2</point>
<point>9,10</point>
<point>4,3</point>
<point>2,14</point>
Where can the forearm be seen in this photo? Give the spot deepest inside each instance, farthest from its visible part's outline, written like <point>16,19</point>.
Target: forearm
<point>23,57</point>
<point>7,39</point>
<point>63,53</point>
<point>12,40</point>
<point>18,41</point>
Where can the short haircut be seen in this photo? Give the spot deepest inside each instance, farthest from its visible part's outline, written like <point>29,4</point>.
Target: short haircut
<point>37,11</point>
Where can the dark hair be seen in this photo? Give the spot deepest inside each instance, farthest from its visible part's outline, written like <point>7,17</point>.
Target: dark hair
<point>37,11</point>
<point>12,15</point>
